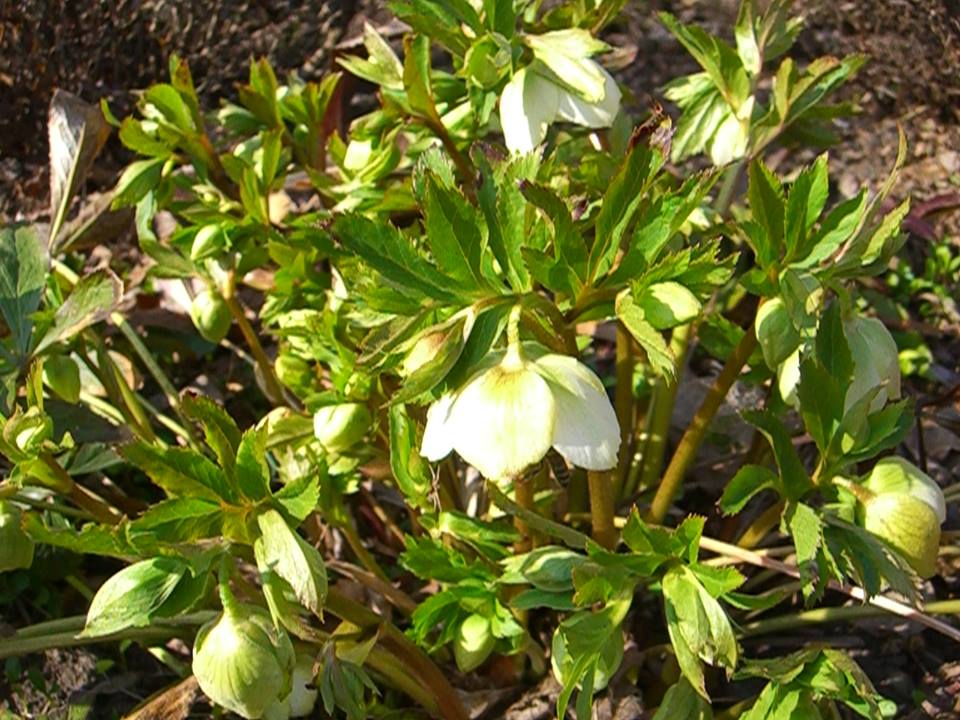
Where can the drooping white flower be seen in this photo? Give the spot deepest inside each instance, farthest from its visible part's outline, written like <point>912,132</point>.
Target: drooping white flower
<point>534,98</point>
<point>519,405</point>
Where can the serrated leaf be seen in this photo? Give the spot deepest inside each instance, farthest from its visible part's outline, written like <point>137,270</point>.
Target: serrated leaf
<point>280,550</point>
<point>410,470</point>
<point>807,532</point>
<point>180,472</point>
<point>454,235</point>
<point>658,353</point>
<point>219,429</point>
<point>749,480</point>
<point>768,207</point>
<point>91,301</point>
<point>250,470</point>
<point>796,482</point>
<point>805,201</point>
<point>77,132</point>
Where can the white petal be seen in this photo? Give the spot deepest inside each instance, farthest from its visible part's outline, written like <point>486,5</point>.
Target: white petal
<point>438,434</point>
<point>587,433</point>
<point>527,107</point>
<point>503,421</point>
<point>574,109</point>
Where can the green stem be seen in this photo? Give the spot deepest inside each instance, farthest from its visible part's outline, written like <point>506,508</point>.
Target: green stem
<point>166,386</point>
<point>664,398</point>
<point>759,528</point>
<point>24,642</point>
<point>273,387</point>
<point>79,495</point>
<point>845,613</point>
<point>602,508</point>
<point>523,491</point>
<point>412,658</point>
<point>623,403</point>
<point>697,430</point>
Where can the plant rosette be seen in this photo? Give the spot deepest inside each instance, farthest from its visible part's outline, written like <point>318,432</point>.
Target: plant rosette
<point>520,404</point>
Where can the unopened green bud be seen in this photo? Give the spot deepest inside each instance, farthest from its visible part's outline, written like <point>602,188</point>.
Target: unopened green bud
<point>62,374</point>
<point>30,430</point>
<point>211,315</point>
<point>474,643</point>
<point>242,662</point>
<point>902,505</point>
<point>338,427</point>
<point>209,240</point>
<point>423,351</point>
<point>16,548</point>
<point>293,372</point>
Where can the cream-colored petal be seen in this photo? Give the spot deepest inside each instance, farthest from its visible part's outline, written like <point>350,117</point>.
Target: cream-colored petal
<point>503,421</point>
<point>438,434</point>
<point>575,109</point>
<point>527,107</point>
<point>586,433</point>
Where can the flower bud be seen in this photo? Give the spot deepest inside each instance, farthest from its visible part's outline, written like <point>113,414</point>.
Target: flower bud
<point>876,362</point>
<point>16,548</point>
<point>474,643</point>
<point>423,351</point>
<point>62,374</point>
<point>209,240</point>
<point>30,430</point>
<point>293,371</point>
<point>303,694</point>
<point>903,506</point>
<point>337,427</point>
<point>211,315</point>
<point>242,662</point>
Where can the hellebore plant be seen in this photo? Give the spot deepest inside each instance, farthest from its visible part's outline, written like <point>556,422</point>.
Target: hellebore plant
<point>522,402</point>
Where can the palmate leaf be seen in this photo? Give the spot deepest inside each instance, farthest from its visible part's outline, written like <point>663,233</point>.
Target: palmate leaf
<point>383,248</point>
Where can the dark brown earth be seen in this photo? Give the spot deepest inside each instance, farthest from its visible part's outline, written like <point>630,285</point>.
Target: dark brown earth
<point>100,49</point>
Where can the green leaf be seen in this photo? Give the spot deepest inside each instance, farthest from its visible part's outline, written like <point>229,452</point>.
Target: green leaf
<point>131,597</point>
<point>280,550</point>
<point>251,471</point>
<point>410,470</point>
<point>623,198</point>
<point>749,480</point>
<point>504,209</point>
<point>796,482</point>
<point>668,304</point>
<point>683,701</point>
<point>805,201</point>
<point>179,520</point>
<point>659,355</point>
<point>383,247</point>
<point>219,429</point>
<point>23,274</point>
<point>547,568</point>
<point>569,250</point>
<point>776,333</point>
<point>429,559</point>
<point>300,497</point>
<point>416,77</point>
<point>807,532</point>
<point>821,402</point>
<point>440,20</point>
<point>492,539</point>
<point>138,178</point>
<point>767,204</point>
<point>699,629</point>
<point>92,300</point>
<point>180,472</point>
<point>454,235</point>
<point>833,350</point>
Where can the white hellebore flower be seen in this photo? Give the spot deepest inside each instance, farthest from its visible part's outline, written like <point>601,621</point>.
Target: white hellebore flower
<point>510,413</point>
<point>534,98</point>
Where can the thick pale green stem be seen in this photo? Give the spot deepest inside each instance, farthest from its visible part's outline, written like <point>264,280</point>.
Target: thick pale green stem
<point>697,430</point>
<point>523,492</point>
<point>602,508</point>
<point>623,403</point>
<point>79,495</point>
<point>845,613</point>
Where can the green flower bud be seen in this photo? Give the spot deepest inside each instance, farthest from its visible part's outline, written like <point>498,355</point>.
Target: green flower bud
<point>16,548</point>
<point>62,374</point>
<point>211,315</point>
<point>337,427</point>
<point>474,643</point>
<point>902,505</point>
<point>876,362</point>
<point>242,662</point>
<point>29,430</point>
<point>209,240</point>
<point>293,372</point>
<point>423,351</point>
